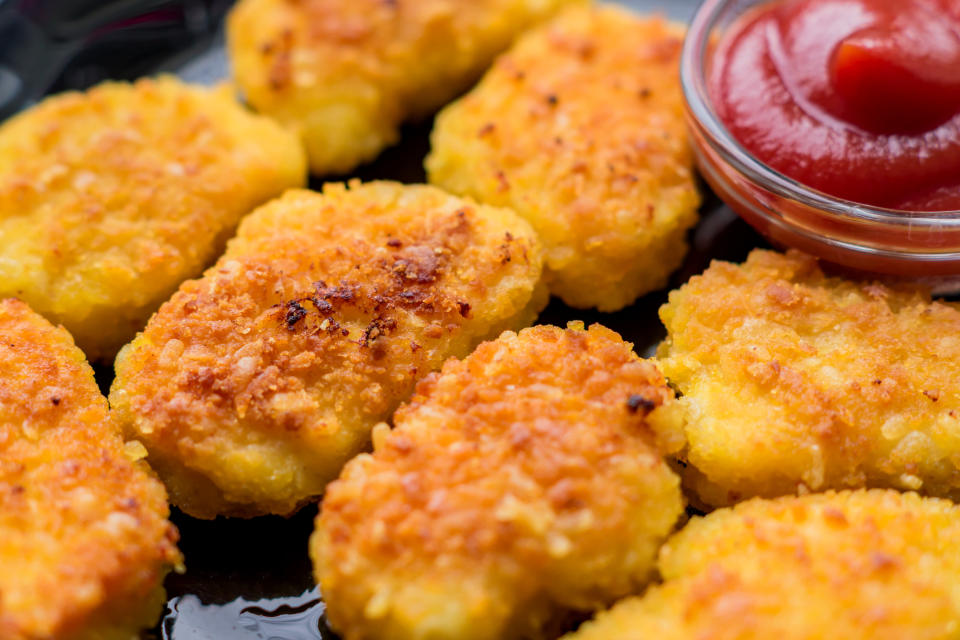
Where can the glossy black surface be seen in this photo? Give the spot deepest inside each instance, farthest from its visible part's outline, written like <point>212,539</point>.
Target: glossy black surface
<point>48,46</point>
<point>251,580</point>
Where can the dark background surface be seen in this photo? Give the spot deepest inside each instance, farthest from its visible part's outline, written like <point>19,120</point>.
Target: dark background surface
<point>249,580</point>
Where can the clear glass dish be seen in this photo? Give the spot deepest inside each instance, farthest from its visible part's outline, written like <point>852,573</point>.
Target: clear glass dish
<point>851,237</point>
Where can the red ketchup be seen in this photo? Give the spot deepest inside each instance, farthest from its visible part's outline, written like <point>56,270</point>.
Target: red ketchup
<point>859,99</point>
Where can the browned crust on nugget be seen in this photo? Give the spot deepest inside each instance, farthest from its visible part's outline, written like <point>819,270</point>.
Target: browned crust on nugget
<point>518,484</point>
<point>863,564</point>
<point>579,127</point>
<point>112,197</point>
<point>253,385</point>
<point>84,536</point>
<point>796,381</point>
<point>347,73</point>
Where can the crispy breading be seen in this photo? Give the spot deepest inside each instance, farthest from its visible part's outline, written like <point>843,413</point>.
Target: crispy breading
<point>347,73</point>
<point>580,129</point>
<point>518,485</point>
<point>253,385</point>
<point>110,199</point>
<point>84,536</point>
<point>863,564</point>
<point>795,381</point>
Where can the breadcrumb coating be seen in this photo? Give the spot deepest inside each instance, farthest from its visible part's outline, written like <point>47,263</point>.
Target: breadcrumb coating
<point>580,129</point>
<point>795,381</point>
<point>84,537</point>
<point>846,566</point>
<point>347,73</point>
<point>253,385</point>
<point>518,484</point>
<point>110,199</point>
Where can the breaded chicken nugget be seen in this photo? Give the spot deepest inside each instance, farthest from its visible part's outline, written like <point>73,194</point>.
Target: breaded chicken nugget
<point>792,380</point>
<point>347,73</point>
<point>253,386</point>
<point>84,536</point>
<point>846,566</point>
<point>110,199</point>
<point>580,129</point>
<point>519,484</point>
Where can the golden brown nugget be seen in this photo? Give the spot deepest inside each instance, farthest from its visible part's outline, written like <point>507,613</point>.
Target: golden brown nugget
<point>845,566</point>
<point>347,73</point>
<point>110,199</point>
<point>795,381</point>
<point>519,484</point>
<point>580,129</point>
<point>254,385</point>
<point>84,536</point>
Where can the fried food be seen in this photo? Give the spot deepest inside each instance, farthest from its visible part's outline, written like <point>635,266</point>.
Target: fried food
<point>519,484</point>
<point>580,129</point>
<point>347,73</point>
<point>253,385</point>
<point>109,199</point>
<point>864,564</point>
<point>84,536</point>
<point>795,381</point>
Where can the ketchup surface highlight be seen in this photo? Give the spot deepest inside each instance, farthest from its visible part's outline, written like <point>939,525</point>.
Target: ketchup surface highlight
<point>859,99</point>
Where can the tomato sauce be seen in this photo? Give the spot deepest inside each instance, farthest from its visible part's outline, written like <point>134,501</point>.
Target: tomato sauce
<point>859,99</point>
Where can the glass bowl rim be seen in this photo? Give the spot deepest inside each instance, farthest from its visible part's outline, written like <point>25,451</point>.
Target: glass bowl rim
<point>700,108</point>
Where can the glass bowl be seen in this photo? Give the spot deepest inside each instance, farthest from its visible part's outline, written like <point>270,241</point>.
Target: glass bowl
<point>850,237</point>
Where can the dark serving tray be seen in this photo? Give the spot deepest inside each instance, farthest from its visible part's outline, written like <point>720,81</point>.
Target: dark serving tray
<point>251,579</point>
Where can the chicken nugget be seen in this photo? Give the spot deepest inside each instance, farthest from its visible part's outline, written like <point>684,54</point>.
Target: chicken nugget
<point>846,566</point>
<point>580,129</point>
<point>520,484</point>
<point>84,537</point>
<point>110,199</point>
<point>795,381</point>
<point>253,385</point>
<point>347,73</point>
